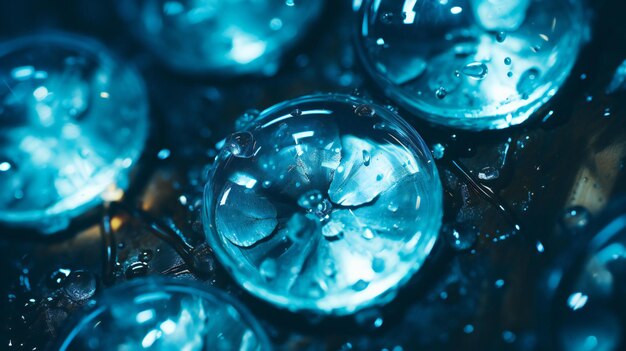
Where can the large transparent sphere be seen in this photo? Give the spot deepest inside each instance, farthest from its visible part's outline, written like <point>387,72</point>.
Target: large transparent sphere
<point>163,315</point>
<point>471,64</point>
<point>73,121</point>
<point>223,37</point>
<point>589,311</point>
<point>325,204</point>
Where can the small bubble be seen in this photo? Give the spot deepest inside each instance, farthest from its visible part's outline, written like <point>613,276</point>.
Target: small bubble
<point>500,37</point>
<point>468,329</point>
<point>378,264</point>
<point>441,93</point>
<point>366,158</point>
<point>241,144</point>
<point>266,184</point>
<point>499,283</point>
<point>476,70</point>
<point>360,285</point>
<point>163,154</point>
<point>136,269</point>
<point>507,61</point>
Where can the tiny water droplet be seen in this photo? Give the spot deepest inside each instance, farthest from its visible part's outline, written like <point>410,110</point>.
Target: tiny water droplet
<point>508,61</point>
<point>378,264</point>
<point>136,269</point>
<point>438,151</point>
<point>476,70</point>
<point>365,111</point>
<point>360,285</point>
<point>145,255</point>
<point>500,37</point>
<point>441,93</point>
<point>366,158</point>
<point>241,144</point>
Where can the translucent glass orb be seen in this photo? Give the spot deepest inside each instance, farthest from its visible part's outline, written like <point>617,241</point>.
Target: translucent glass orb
<point>222,37</point>
<point>163,315</point>
<point>471,64</point>
<point>324,204</point>
<point>590,310</point>
<point>73,121</point>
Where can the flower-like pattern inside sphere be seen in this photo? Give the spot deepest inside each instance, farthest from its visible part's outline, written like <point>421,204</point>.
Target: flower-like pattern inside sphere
<point>73,120</point>
<point>162,314</point>
<point>325,203</point>
<point>471,64</point>
<point>223,37</point>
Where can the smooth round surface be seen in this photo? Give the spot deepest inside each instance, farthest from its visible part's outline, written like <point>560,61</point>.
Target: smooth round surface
<point>164,314</point>
<point>471,64</point>
<point>223,37</point>
<point>324,203</point>
<point>74,120</point>
<point>590,313</point>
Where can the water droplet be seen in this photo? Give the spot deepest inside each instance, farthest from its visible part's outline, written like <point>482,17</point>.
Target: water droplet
<point>266,184</point>
<point>136,269</point>
<point>476,70</point>
<point>365,110</point>
<point>378,264</point>
<point>438,151</point>
<point>241,144</point>
<point>360,285</point>
<point>500,37</point>
<point>499,283</point>
<point>366,158</point>
<point>507,61</point>
<point>80,285</point>
<point>468,329</point>
<point>528,82</point>
<point>393,207</point>
<point>163,154</point>
<point>5,166</point>
<point>441,93</point>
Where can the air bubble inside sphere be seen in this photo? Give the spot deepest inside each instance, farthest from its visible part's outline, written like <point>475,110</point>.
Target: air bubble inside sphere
<point>221,37</point>
<point>471,64</point>
<point>162,315</point>
<point>74,120</point>
<point>324,204</point>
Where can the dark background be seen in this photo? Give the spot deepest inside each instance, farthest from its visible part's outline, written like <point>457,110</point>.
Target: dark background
<point>488,295</point>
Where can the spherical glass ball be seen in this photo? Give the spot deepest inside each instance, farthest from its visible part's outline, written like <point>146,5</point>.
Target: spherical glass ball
<point>222,37</point>
<point>74,120</point>
<point>165,314</point>
<point>324,204</point>
<point>471,64</point>
<point>588,311</point>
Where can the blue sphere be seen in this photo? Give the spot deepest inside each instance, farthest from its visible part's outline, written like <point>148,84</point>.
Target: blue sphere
<point>221,37</point>
<point>165,314</point>
<point>471,64</point>
<point>325,204</point>
<point>74,120</point>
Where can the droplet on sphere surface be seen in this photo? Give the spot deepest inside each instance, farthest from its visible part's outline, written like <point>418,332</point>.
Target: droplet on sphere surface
<point>165,314</point>
<point>74,120</point>
<point>221,37</point>
<point>476,55</point>
<point>346,201</point>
